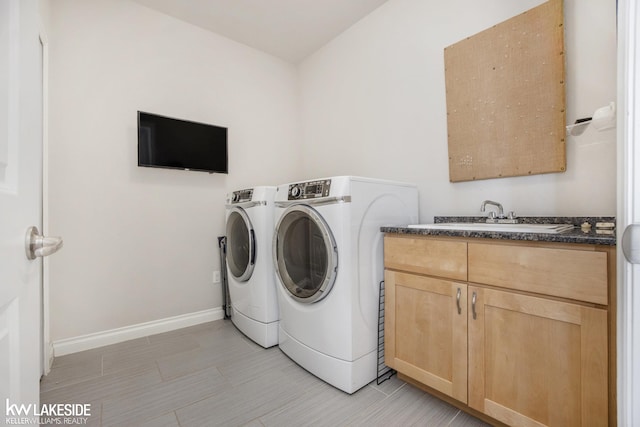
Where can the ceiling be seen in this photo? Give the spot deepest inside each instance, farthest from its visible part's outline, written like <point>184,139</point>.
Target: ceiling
<point>288,29</point>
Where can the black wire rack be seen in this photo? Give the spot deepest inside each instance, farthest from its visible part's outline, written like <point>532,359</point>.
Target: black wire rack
<point>226,298</point>
<point>384,372</point>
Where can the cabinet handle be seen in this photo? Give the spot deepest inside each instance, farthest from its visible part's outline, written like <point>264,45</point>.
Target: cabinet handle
<point>473,305</point>
<point>458,294</point>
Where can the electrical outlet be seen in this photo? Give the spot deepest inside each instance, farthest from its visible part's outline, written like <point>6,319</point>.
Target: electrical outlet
<point>216,276</point>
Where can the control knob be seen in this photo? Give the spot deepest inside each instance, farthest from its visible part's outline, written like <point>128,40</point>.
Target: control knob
<point>295,191</point>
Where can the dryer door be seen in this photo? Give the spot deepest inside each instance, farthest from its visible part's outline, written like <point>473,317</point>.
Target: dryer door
<point>305,254</point>
<point>241,245</point>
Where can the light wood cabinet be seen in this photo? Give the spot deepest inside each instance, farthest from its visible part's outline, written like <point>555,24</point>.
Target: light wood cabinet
<point>536,361</point>
<point>523,337</point>
<point>426,335</point>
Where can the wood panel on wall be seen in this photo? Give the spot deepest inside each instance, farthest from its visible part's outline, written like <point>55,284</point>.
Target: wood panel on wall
<point>506,98</point>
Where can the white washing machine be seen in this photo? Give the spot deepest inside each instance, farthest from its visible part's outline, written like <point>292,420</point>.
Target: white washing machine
<point>327,250</point>
<point>250,274</point>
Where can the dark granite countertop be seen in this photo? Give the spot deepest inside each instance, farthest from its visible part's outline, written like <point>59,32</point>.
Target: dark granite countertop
<point>593,236</point>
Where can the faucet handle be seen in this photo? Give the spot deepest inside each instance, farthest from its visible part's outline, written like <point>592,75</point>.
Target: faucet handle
<point>511,215</point>
<point>491,215</point>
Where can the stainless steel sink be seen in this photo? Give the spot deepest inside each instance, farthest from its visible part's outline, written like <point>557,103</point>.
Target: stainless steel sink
<point>481,226</point>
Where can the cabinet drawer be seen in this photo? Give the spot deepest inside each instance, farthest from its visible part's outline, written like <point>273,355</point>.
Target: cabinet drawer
<point>442,258</point>
<point>575,274</point>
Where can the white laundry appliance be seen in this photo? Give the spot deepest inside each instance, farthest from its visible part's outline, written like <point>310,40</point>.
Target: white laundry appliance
<point>327,250</point>
<point>252,289</point>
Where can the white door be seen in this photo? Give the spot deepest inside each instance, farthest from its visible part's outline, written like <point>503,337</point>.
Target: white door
<point>20,203</point>
<point>629,213</point>
<point>241,244</point>
<point>305,254</point>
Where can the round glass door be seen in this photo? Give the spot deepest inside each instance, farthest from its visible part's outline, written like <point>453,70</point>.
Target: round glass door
<point>305,253</point>
<point>241,245</point>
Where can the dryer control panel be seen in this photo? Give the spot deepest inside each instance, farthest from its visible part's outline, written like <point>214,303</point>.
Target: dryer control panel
<point>242,196</point>
<point>309,189</point>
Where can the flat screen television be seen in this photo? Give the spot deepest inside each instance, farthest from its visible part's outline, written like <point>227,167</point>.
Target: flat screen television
<point>164,142</point>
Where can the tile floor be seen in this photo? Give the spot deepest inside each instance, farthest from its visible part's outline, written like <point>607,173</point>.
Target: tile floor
<point>212,375</point>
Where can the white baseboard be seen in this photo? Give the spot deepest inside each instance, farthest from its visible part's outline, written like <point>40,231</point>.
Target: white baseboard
<point>113,336</point>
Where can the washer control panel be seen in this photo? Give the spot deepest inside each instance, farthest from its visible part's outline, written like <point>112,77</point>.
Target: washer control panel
<point>242,196</point>
<point>309,190</point>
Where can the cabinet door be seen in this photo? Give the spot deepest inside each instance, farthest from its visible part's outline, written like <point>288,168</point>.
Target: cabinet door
<point>426,331</point>
<point>537,362</point>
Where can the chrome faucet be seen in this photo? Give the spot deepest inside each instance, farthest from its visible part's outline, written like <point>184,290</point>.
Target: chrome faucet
<point>492,215</point>
<point>511,218</point>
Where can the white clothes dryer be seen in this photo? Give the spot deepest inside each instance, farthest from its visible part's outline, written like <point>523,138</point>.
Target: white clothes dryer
<point>327,249</point>
<point>249,229</point>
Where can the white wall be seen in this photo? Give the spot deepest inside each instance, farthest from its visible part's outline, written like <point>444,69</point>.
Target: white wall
<point>141,243</point>
<point>373,103</point>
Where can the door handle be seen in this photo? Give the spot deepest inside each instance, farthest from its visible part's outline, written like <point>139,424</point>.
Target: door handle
<point>252,247</point>
<point>631,243</point>
<point>473,305</point>
<point>37,245</point>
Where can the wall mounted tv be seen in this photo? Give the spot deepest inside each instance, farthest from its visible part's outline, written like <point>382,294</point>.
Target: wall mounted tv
<point>164,142</point>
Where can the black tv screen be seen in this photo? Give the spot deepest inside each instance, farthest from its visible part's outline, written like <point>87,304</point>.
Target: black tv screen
<point>164,142</point>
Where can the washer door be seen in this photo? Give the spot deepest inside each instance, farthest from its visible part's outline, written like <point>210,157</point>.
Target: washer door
<point>241,245</point>
<point>305,254</point>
